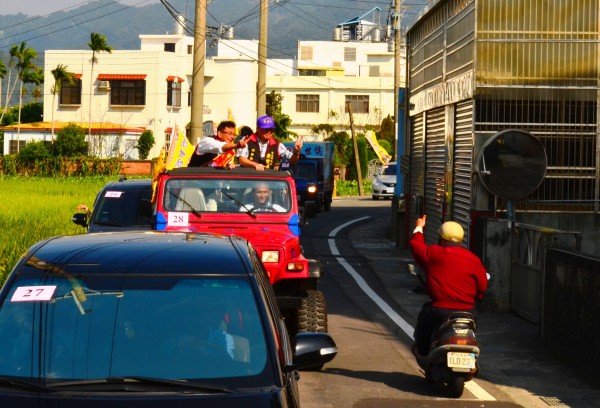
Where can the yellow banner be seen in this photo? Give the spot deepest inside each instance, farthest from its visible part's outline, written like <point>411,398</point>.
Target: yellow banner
<point>382,155</point>
<point>180,150</point>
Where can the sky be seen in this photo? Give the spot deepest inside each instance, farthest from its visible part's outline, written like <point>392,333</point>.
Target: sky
<point>45,7</point>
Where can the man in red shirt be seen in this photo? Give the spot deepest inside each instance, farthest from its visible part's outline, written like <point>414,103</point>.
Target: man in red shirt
<point>455,278</point>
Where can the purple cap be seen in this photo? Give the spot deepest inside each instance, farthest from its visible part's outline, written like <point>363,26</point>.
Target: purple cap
<point>265,122</point>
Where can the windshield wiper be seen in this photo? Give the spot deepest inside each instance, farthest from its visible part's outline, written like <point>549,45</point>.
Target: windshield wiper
<point>137,380</point>
<point>238,202</point>
<point>21,384</point>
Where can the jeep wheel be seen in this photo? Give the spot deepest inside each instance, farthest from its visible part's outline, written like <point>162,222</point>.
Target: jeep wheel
<point>312,314</point>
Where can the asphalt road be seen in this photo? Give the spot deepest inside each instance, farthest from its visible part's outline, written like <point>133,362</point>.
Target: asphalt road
<point>373,303</point>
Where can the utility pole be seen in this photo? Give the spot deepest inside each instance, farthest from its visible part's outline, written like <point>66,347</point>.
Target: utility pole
<point>261,91</point>
<point>397,74</point>
<point>356,155</point>
<point>198,72</point>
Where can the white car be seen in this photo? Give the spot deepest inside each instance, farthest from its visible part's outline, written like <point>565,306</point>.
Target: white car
<point>385,181</point>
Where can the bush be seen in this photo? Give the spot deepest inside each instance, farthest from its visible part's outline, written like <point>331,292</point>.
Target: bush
<point>70,141</point>
<point>145,143</point>
<point>34,151</point>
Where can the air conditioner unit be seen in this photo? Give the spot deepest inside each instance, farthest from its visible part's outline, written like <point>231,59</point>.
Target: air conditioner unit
<point>104,85</point>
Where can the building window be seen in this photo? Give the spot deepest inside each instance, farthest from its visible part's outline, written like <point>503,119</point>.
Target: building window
<point>169,47</point>
<point>70,92</point>
<point>306,53</point>
<point>128,92</point>
<point>311,72</point>
<point>174,93</point>
<point>374,71</point>
<point>349,54</point>
<point>168,132</point>
<point>190,49</point>
<point>360,103</point>
<point>307,103</point>
<point>15,146</point>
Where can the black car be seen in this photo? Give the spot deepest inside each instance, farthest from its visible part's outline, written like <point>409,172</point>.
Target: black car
<point>120,205</point>
<point>148,319</point>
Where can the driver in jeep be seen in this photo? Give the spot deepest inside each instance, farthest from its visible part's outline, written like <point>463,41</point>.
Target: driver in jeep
<point>261,201</point>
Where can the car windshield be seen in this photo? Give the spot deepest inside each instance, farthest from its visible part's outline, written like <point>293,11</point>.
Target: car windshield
<point>389,170</point>
<point>56,327</point>
<point>227,196</point>
<point>123,207</point>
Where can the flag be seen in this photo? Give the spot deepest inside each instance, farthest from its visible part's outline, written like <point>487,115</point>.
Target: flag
<point>382,155</point>
<point>180,150</point>
<point>159,168</point>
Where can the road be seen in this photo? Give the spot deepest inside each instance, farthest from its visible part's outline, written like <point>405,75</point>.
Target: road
<point>373,331</point>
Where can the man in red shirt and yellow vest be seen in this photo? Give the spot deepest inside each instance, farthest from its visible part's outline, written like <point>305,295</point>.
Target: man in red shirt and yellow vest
<point>265,152</point>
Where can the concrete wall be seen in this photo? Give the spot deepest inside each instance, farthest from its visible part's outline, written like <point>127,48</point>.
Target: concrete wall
<point>572,306</point>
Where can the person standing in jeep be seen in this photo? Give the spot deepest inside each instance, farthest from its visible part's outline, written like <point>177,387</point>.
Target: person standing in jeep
<point>265,152</point>
<point>217,151</point>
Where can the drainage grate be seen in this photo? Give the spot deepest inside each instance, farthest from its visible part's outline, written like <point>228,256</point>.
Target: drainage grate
<point>567,402</point>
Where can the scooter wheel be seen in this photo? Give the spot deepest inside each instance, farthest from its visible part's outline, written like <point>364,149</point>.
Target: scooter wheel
<point>456,387</point>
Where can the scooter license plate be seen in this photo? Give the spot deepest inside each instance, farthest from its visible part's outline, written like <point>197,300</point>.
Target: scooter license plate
<point>461,360</point>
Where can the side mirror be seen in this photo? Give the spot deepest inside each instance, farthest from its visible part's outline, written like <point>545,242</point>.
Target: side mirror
<point>312,350</point>
<point>80,219</point>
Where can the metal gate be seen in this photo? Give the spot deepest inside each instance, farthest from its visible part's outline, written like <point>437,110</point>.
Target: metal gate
<point>417,168</point>
<point>463,167</point>
<point>435,167</point>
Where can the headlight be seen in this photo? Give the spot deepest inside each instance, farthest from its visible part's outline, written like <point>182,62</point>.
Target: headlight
<point>269,256</point>
<point>312,189</point>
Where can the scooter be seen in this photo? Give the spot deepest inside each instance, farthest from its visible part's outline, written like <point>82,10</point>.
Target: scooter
<point>453,353</point>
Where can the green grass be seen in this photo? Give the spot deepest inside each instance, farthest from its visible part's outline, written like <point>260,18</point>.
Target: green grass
<point>35,208</point>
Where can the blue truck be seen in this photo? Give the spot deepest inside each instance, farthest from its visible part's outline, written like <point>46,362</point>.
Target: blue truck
<point>313,174</point>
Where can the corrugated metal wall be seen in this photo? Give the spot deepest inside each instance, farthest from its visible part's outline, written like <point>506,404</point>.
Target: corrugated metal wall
<point>417,167</point>
<point>463,166</point>
<point>435,167</point>
<point>538,71</point>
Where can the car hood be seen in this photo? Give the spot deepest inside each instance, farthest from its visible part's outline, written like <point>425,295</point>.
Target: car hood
<point>134,399</point>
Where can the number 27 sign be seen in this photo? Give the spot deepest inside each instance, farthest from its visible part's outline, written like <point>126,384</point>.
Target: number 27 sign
<point>33,293</point>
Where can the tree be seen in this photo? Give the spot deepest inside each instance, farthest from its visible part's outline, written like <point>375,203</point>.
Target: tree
<point>282,121</point>
<point>97,44</point>
<point>9,90</point>
<point>27,72</point>
<point>145,143</point>
<point>3,72</point>
<point>70,141</point>
<point>60,74</point>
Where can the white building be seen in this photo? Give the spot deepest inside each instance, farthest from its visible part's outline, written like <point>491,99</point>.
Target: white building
<point>150,88</point>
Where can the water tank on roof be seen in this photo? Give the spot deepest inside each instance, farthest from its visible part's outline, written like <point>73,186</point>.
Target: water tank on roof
<point>337,34</point>
<point>376,36</point>
<point>179,24</point>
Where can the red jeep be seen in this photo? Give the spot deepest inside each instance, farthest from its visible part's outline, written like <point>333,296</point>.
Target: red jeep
<point>261,206</point>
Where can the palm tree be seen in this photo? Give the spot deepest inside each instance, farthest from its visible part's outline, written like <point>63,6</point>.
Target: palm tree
<point>14,50</point>
<point>3,73</point>
<point>27,72</point>
<point>60,74</point>
<point>97,43</point>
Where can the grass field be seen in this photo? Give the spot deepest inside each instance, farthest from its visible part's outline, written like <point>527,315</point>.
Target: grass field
<point>35,208</point>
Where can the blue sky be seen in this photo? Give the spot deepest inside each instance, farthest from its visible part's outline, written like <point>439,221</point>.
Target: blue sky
<point>44,7</point>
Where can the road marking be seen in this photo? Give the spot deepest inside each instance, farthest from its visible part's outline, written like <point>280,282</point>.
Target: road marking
<point>474,388</point>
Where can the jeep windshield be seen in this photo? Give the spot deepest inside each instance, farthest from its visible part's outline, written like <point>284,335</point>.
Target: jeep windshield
<point>246,195</point>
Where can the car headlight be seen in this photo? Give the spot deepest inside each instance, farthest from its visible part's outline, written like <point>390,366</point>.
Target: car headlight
<point>270,256</point>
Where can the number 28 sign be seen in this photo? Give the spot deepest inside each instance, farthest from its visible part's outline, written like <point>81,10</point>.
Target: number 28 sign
<point>33,293</point>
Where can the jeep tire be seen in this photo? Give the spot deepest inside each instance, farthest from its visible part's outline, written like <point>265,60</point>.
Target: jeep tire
<point>312,314</point>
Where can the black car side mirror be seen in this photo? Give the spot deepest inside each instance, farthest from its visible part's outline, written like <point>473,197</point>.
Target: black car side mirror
<point>80,219</point>
<point>312,350</point>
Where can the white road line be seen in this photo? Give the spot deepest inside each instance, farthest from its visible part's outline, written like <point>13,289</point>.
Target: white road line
<point>474,388</point>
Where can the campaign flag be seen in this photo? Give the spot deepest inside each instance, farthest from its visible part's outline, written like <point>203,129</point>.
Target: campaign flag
<point>382,155</point>
<point>180,150</point>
